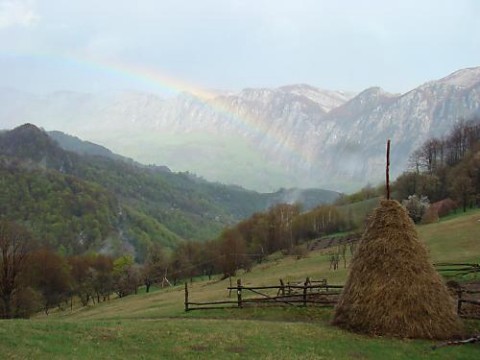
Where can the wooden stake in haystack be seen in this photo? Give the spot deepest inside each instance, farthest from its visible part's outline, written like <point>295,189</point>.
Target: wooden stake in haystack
<point>387,175</point>
<point>392,288</point>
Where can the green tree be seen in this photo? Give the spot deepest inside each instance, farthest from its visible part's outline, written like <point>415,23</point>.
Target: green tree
<point>126,276</point>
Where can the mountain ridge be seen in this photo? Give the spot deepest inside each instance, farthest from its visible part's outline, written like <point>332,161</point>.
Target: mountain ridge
<point>264,139</point>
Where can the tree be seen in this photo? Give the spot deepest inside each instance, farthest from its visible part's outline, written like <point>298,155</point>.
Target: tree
<point>416,207</point>
<point>101,269</point>
<point>256,232</point>
<point>50,275</point>
<point>155,266</point>
<point>126,276</point>
<point>82,282</point>
<point>461,186</point>
<point>411,183</point>
<point>406,184</point>
<point>281,218</point>
<point>208,258</point>
<point>428,157</point>
<point>232,252</point>
<point>186,261</point>
<point>15,245</point>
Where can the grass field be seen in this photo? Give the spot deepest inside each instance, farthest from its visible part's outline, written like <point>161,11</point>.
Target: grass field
<point>154,325</point>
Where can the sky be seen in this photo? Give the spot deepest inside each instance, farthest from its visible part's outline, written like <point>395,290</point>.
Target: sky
<point>179,45</point>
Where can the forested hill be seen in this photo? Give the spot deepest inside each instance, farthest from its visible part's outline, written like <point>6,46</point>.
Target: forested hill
<point>101,201</point>
<point>76,145</point>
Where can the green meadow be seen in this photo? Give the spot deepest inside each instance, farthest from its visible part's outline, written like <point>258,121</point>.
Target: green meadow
<point>155,326</point>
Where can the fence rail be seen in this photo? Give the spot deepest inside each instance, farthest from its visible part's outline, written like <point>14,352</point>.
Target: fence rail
<point>459,268</point>
<point>473,312</point>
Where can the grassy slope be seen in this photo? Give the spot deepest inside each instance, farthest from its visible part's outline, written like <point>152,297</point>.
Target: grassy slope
<point>455,238</point>
<point>155,326</point>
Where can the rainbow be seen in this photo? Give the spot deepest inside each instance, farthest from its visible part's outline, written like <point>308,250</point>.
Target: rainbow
<point>166,83</point>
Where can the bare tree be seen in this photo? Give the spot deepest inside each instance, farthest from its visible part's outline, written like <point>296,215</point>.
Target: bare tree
<point>154,268</point>
<point>15,243</point>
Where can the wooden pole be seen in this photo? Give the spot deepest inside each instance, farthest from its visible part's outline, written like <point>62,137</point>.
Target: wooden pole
<point>239,293</point>
<point>459,301</point>
<point>282,288</point>
<point>186,296</point>
<point>305,292</point>
<point>387,172</point>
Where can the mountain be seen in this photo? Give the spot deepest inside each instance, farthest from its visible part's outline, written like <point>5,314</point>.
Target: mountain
<point>93,199</point>
<point>262,139</point>
<point>407,119</point>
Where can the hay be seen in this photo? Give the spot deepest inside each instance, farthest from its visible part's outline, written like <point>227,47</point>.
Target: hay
<point>392,288</point>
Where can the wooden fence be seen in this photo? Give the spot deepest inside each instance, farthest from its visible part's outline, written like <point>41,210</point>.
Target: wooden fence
<point>320,293</point>
<point>468,303</point>
<point>471,312</point>
<point>300,294</point>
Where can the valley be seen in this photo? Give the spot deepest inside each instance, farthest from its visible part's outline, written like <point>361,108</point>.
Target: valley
<point>231,179</point>
<point>139,204</point>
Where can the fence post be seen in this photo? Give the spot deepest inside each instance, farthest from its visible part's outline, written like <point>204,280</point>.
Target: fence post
<point>239,293</point>
<point>186,296</point>
<point>459,301</point>
<point>230,290</point>
<point>305,292</point>
<point>282,288</point>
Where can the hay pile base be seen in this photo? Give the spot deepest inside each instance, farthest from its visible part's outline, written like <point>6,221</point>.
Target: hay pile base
<point>392,288</point>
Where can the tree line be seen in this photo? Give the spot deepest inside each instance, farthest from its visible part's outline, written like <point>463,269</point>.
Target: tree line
<point>443,174</point>
<point>446,168</point>
<point>37,278</point>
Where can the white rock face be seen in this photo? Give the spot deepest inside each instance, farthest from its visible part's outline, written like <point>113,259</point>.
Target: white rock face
<point>464,78</point>
<point>296,135</point>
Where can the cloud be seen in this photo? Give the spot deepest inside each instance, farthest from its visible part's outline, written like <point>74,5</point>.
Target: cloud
<point>17,13</point>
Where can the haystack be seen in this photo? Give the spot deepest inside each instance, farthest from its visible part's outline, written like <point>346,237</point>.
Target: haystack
<point>392,288</point>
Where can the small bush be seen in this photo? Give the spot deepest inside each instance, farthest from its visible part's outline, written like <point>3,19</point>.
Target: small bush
<point>445,207</point>
<point>430,216</point>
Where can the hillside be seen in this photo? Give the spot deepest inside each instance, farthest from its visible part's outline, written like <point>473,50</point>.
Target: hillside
<point>155,324</point>
<point>451,240</point>
<point>140,204</point>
